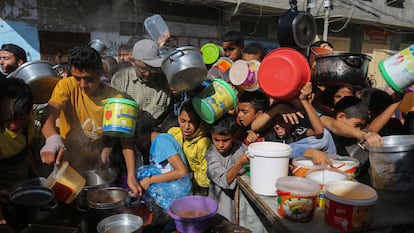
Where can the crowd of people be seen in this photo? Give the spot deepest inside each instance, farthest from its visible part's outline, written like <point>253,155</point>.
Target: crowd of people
<point>324,120</point>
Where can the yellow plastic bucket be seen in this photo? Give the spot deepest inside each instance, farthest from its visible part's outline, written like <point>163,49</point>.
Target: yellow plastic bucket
<point>120,117</point>
<point>214,101</point>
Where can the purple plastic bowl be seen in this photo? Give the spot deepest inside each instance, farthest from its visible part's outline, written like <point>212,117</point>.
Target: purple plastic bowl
<point>193,214</point>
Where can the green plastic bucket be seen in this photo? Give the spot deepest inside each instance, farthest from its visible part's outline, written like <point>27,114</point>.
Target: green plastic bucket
<point>214,101</point>
<point>120,117</point>
<point>211,52</point>
<point>398,70</point>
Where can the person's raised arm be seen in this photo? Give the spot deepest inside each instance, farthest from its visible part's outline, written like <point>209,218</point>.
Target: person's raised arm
<point>54,144</point>
<point>305,98</point>
<point>234,170</point>
<point>129,157</point>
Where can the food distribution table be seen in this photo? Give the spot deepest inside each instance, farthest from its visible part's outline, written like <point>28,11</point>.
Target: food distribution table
<point>393,212</point>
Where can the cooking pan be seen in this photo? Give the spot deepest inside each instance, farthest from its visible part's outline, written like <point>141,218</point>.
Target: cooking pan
<point>41,78</point>
<point>338,68</point>
<point>296,28</point>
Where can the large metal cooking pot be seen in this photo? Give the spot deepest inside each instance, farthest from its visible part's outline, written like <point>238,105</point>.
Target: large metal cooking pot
<point>392,164</point>
<point>105,202</point>
<point>41,78</point>
<point>95,179</point>
<point>336,68</point>
<point>184,68</point>
<point>125,223</point>
<point>296,28</point>
<point>98,45</point>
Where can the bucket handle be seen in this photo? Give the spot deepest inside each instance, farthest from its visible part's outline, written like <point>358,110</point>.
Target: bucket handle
<point>248,154</point>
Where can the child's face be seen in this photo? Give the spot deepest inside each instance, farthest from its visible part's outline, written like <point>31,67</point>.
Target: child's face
<point>223,143</point>
<point>353,121</point>
<point>341,93</point>
<point>246,114</point>
<point>187,123</point>
<point>19,123</point>
<point>279,130</point>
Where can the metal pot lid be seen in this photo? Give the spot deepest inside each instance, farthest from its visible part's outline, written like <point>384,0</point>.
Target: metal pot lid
<point>95,178</point>
<point>304,29</point>
<point>32,196</point>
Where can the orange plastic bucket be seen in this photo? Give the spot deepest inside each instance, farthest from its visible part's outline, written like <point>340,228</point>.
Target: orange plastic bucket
<point>283,72</point>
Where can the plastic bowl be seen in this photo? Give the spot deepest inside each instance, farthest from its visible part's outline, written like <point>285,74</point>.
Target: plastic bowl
<point>193,213</point>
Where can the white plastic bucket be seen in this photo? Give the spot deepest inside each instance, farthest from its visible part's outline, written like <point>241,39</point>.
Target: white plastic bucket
<point>244,74</point>
<point>268,162</point>
<point>398,70</point>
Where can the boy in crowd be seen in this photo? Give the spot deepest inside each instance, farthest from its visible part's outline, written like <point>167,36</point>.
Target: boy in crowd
<point>226,159</point>
<point>233,44</point>
<point>249,107</point>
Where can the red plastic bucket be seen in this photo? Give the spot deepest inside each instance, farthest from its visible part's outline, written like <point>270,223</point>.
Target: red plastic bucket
<point>283,72</point>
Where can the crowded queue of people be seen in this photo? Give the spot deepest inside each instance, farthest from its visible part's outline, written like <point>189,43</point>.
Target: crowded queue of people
<point>323,121</point>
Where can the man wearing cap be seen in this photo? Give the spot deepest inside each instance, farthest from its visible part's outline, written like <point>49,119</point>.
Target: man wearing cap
<point>144,81</point>
<point>11,57</point>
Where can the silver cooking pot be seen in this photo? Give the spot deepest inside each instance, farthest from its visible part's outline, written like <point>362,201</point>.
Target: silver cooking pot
<point>98,45</point>
<point>184,68</point>
<point>41,78</point>
<point>392,163</point>
<point>127,223</point>
<point>95,179</point>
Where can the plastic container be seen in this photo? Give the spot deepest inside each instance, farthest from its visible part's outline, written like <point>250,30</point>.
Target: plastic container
<point>120,117</point>
<point>66,182</point>
<point>244,74</point>
<point>268,162</point>
<point>211,52</point>
<point>214,101</point>
<point>193,213</point>
<point>301,166</point>
<point>296,198</point>
<point>282,73</point>
<point>220,69</point>
<point>346,164</point>
<point>398,70</point>
<point>349,204</point>
<point>157,28</point>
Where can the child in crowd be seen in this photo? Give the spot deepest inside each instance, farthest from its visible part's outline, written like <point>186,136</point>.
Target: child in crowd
<point>192,135</point>
<point>250,106</point>
<point>233,44</point>
<point>15,161</point>
<point>226,159</point>
<point>165,179</point>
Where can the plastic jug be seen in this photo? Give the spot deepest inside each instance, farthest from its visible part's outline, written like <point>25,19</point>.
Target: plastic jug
<point>66,182</point>
<point>157,28</point>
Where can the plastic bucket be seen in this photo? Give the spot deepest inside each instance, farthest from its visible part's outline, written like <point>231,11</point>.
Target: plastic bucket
<point>296,198</point>
<point>193,213</point>
<point>282,73</point>
<point>346,164</point>
<point>322,177</point>
<point>215,100</point>
<point>301,166</point>
<point>244,74</point>
<point>268,162</point>
<point>349,204</point>
<point>211,52</point>
<point>156,28</point>
<point>120,117</point>
<point>66,182</point>
<point>220,69</point>
<point>398,70</point>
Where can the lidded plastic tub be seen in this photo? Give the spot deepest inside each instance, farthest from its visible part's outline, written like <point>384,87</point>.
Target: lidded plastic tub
<point>296,198</point>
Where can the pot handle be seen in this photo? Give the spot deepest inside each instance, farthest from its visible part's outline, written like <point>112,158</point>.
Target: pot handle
<point>175,55</point>
<point>354,61</point>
